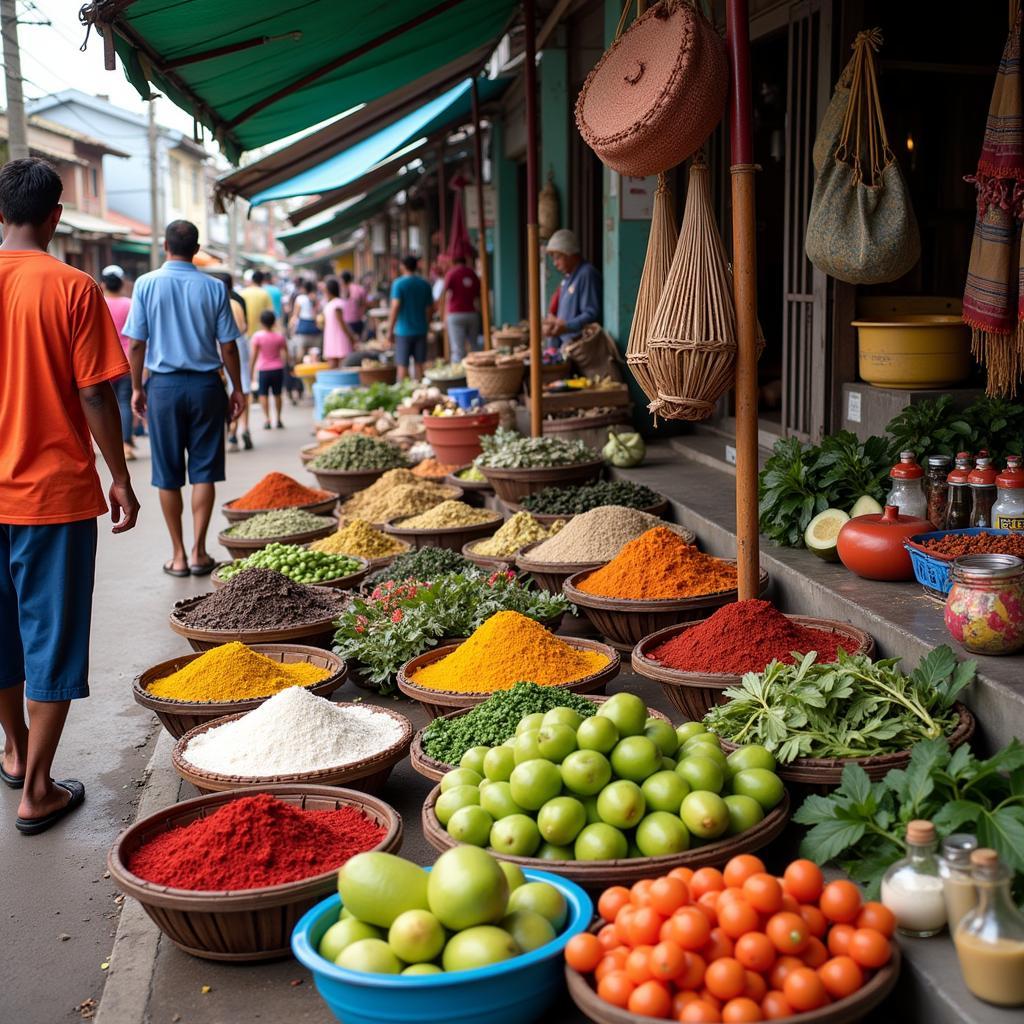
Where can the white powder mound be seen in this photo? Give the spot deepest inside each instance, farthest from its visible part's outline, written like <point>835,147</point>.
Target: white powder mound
<point>294,731</point>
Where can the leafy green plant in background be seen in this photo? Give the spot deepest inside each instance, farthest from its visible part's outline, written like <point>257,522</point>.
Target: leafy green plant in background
<point>847,468</point>
<point>385,397</point>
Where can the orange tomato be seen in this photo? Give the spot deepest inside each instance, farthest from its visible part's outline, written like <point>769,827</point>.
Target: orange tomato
<point>740,868</point>
<point>774,1006</point>
<point>718,945</point>
<point>612,901</point>
<point>651,999</point>
<point>706,880</point>
<point>789,903</point>
<point>817,924</point>
<point>683,874</point>
<point>668,895</point>
<point>841,976</point>
<point>690,928</point>
<point>610,962</point>
<point>840,901</point>
<point>784,966</point>
<point>803,880</point>
<point>608,936</point>
<point>763,893</point>
<point>640,892</point>
<point>815,953</point>
<point>584,952</point>
<point>709,998</point>
<point>708,906</point>
<point>731,892</point>
<point>788,932</point>
<point>804,990</point>
<point>869,948</point>
<point>667,961</point>
<point>700,1011</point>
<point>644,926</point>
<point>680,999</point>
<point>839,939</point>
<point>741,1011</point>
<point>725,978</point>
<point>622,922</point>
<point>755,951</point>
<point>875,915</point>
<point>693,973</point>
<point>736,917</point>
<point>616,988</point>
<point>756,987</point>
<point>638,965</point>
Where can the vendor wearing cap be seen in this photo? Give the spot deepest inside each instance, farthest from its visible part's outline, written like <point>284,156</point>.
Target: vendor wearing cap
<point>578,299</point>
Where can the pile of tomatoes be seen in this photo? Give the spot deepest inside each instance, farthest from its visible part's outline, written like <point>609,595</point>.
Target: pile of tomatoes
<point>735,945</point>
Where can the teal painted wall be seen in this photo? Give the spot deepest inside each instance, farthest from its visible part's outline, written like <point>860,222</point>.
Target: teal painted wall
<point>554,140</point>
<point>508,260</point>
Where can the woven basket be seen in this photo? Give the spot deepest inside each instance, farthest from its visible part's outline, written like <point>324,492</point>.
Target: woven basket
<point>657,93</point>
<point>512,485</point>
<point>241,547</point>
<point>659,509</point>
<point>496,382</point>
<point>550,576</point>
<point>451,537</point>
<point>322,507</point>
<point>345,482</point>
<point>491,563</point>
<point>243,925</point>
<point>385,374</point>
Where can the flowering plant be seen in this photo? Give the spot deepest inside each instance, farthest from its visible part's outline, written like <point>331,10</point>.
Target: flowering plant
<point>401,619</point>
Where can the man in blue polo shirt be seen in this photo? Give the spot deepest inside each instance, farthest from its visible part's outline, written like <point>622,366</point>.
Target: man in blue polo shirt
<point>412,303</point>
<point>578,300</point>
<point>178,317</point>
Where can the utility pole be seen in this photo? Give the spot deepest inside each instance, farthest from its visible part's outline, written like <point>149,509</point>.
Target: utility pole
<point>154,190</point>
<point>233,235</point>
<point>17,129</point>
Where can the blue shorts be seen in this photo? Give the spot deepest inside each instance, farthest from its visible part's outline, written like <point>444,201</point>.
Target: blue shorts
<point>410,346</point>
<point>271,382</point>
<point>187,412</point>
<point>46,580</point>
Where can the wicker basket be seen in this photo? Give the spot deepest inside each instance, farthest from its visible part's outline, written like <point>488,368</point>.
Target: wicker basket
<point>496,382</point>
<point>349,582</point>
<point>487,562</point>
<point>454,538</point>
<point>318,508</point>
<point>624,623</point>
<point>439,702</point>
<point>386,373</point>
<point>367,775</point>
<point>179,716</point>
<point>244,925</point>
<point>696,693</point>
<point>659,509</point>
<point>314,634</point>
<point>345,482</point>
<point>550,576</point>
<point>512,485</point>
<point>597,874</point>
<point>479,487</point>
<point>241,547</point>
<point>433,770</point>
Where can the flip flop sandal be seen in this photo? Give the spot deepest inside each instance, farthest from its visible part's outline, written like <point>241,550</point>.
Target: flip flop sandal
<point>33,826</point>
<point>203,568</point>
<point>12,781</point>
<point>171,571</point>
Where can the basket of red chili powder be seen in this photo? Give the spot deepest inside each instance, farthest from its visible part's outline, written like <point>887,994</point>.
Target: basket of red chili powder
<point>278,490</point>
<point>227,876</point>
<point>696,661</point>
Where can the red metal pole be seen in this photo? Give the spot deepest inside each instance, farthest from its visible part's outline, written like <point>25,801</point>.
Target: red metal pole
<point>744,294</point>
<point>532,227</point>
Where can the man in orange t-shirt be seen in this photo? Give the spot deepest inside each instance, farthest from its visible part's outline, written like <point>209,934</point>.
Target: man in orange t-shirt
<point>58,353</point>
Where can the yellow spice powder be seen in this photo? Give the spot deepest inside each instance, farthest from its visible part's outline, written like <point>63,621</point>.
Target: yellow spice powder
<point>361,539</point>
<point>520,530</point>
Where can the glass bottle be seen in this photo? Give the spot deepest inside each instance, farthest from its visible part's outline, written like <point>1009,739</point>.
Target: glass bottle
<point>990,939</point>
<point>907,487</point>
<point>982,481</point>
<point>912,888</point>
<point>955,872</point>
<point>958,499</point>
<point>936,488</point>
<point>1008,510</point>
<point>985,604</point>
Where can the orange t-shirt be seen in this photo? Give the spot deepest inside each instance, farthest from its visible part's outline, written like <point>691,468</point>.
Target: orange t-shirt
<point>56,336</point>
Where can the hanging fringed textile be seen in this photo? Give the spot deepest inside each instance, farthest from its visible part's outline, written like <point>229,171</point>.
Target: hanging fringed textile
<point>459,244</point>
<point>661,244</point>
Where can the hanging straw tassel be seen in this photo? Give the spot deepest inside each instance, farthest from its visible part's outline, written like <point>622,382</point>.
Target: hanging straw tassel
<point>692,344</point>
<point>661,244</point>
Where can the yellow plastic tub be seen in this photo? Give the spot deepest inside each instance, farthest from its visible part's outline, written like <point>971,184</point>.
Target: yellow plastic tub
<point>913,351</point>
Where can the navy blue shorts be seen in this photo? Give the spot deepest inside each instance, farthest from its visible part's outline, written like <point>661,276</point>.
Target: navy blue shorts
<point>187,413</point>
<point>410,346</point>
<point>46,580</point>
<point>271,382</point>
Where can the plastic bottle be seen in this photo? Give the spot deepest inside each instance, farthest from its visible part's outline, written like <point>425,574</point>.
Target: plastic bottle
<point>907,487</point>
<point>1008,510</point>
<point>982,481</point>
<point>958,500</point>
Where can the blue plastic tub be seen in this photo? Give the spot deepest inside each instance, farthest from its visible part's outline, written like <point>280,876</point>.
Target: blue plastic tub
<point>512,992</point>
<point>339,378</point>
<point>465,398</point>
<point>932,571</point>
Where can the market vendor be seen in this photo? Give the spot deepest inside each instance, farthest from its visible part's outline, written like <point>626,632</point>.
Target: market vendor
<point>578,299</point>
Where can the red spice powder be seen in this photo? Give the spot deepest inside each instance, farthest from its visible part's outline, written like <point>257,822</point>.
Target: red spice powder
<point>278,490</point>
<point>744,637</point>
<point>252,842</point>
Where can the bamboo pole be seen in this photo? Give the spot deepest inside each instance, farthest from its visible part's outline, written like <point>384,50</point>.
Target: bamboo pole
<point>481,221</point>
<point>532,227</point>
<point>744,294</point>
<point>442,230</point>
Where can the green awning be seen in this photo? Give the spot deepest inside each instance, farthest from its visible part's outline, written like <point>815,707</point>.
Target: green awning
<point>255,73</point>
<point>137,248</point>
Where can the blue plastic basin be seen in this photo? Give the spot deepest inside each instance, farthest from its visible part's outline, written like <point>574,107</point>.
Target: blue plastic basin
<point>515,991</point>
<point>464,397</point>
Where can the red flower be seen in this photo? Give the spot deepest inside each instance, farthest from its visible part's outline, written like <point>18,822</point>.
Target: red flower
<point>396,615</point>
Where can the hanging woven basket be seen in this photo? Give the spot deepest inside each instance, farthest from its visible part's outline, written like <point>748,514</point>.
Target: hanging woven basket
<point>657,93</point>
<point>692,344</point>
<point>661,244</point>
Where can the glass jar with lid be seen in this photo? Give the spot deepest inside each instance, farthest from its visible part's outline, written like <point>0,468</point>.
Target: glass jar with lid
<point>1008,510</point>
<point>990,939</point>
<point>912,888</point>
<point>982,482</point>
<point>958,499</point>
<point>907,487</point>
<point>936,488</point>
<point>955,872</point>
<point>985,605</point>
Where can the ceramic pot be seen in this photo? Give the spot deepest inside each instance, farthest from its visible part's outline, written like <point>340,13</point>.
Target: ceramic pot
<point>872,545</point>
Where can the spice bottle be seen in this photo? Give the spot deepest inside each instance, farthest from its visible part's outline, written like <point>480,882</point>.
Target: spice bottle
<point>936,488</point>
<point>912,888</point>
<point>955,872</point>
<point>907,487</point>
<point>990,939</point>
<point>1008,510</point>
<point>958,499</point>
<point>982,481</point>
<point>985,604</point>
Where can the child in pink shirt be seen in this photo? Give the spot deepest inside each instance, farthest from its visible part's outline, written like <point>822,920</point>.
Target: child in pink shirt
<point>269,356</point>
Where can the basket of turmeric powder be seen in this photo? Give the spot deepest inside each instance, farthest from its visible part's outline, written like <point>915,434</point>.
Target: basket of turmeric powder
<point>194,689</point>
<point>655,581</point>
<point>505,650</point>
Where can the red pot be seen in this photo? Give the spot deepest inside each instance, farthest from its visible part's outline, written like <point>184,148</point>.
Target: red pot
<point>872,545</point>
<point>456,439</point>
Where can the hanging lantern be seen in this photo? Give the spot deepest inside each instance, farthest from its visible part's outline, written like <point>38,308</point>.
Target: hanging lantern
<point>547,209</point>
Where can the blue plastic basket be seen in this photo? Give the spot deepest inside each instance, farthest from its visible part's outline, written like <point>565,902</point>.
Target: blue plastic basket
<point>931,570</point>
<point>465,398</point>
<point>514,991</point>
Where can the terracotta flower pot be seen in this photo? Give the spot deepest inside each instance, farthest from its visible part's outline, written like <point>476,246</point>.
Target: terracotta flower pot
<point>456,439</point>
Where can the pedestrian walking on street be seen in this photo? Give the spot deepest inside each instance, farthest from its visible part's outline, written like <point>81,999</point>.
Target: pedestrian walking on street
<point>276,296</point>
<point>412,304</point>
<point>461,298</point>
<point>304,314</point>
<point>119,305</point>
<point>339,341</point>
<point>269,364</point>
<point>238,311</point>
<point>256,299</point>
<point>60,354</point>
<point>182,330</point>
<point>353,297</point>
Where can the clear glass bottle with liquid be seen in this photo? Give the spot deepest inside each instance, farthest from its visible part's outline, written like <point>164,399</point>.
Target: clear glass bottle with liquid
<point>912,888</point>
<point>990,939</point>
<point>908,487</point>
<point>958,499</point>
<point>1008,510</point>
<point>957,882</point>
<point>982,482</point>
<point>936,488</point>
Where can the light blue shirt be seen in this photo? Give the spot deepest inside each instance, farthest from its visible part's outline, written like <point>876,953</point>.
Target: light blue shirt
<point>275,297</point>
<point>414,295</point>
<point>181,313</point>
<point>579,299</point>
